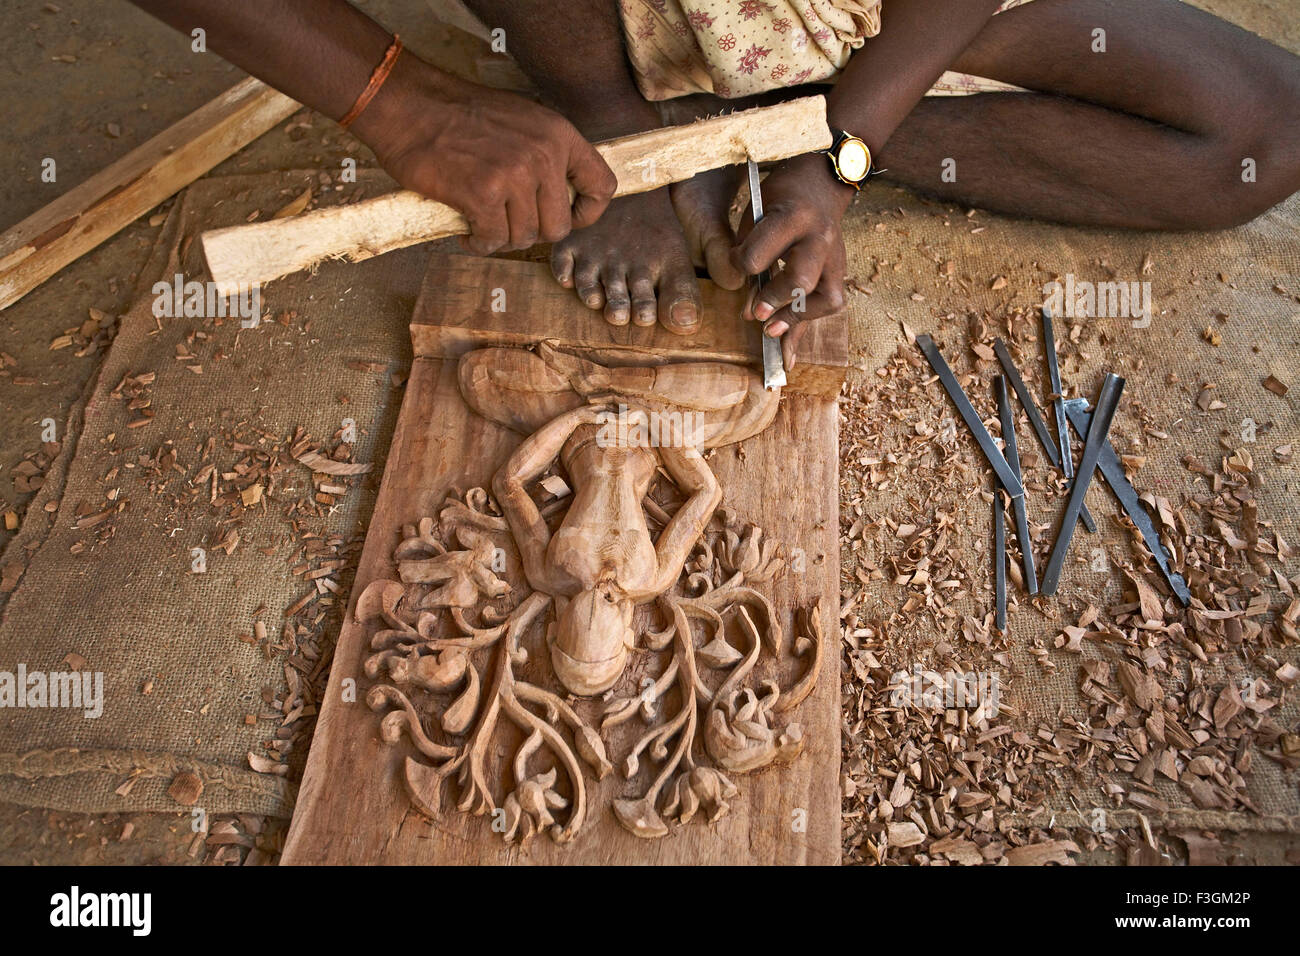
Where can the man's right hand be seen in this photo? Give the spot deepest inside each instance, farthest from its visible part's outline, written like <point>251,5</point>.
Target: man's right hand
<point>503,161</point>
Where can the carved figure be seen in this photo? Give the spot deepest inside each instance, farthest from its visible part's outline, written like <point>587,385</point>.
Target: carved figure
<point>610,428</point>
<point>596,437</point>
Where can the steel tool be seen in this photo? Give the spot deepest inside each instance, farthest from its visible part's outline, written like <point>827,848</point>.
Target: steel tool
<point>1008,421</point>
<point>1058,408</point>
<point>999,562</point>
<point>1112,471</point>
<point>1010,481</point>
<point>1027,402</point>
<point>773,362</point>
<point>1107,405</point>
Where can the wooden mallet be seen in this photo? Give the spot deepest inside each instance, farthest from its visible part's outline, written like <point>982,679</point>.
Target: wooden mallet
<point>240,256</point>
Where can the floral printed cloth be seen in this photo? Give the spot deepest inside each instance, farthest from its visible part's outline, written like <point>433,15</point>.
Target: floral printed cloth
<point>736,48</point>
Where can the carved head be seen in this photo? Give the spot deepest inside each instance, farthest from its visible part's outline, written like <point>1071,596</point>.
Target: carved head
<point>592,635</point>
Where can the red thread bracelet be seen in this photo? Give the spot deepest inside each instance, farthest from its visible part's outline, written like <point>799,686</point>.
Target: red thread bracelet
<point>376,81</point>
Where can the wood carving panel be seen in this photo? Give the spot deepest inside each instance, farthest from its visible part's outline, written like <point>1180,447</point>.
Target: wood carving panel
<point>693,716</point>
<point>598,603</point>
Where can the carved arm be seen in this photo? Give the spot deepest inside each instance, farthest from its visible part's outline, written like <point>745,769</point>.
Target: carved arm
<point>528,462</point>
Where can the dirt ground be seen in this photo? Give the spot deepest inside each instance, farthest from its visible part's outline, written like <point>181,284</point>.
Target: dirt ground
<point>84,81</point>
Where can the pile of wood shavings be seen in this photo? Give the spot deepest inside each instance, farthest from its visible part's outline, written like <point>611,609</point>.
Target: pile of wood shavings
<point>963,786</point>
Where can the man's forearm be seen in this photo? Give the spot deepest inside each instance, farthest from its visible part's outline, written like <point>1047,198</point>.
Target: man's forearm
<point>885,80</point>
<point>320,52</point>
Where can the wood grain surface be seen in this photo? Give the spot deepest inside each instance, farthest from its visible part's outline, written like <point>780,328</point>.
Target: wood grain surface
<point>352,807</point>
<point>469,303</point>
<point>88,214</point>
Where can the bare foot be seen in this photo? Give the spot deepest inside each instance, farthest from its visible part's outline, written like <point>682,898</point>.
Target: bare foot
<point>634,264</point>
<point>703,205</point>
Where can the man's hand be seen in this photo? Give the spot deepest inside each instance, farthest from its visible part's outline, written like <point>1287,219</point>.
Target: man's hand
<point>505,162</point>
<point>803,205</point>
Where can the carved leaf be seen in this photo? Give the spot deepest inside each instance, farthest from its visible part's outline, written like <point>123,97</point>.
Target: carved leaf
<point>718,653</point>
<point>640,819</point>
<point>457,718</point>
<point>592,750</point>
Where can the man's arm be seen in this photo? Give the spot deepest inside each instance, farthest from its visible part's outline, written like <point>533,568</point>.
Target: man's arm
<point>505,162</point>
<point>804,201</point>
<point>888,77</point>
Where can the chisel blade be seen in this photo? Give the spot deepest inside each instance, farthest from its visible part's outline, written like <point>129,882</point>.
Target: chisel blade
<point>1027,402</point>
<point>773,360</point>
<point>971,417</point>
<point>1107,404</point>
<point>999,563</point>
<point>773,363</point>
<point>1058,407</point>
<point>1112,471</point>
<point>1018,506</point>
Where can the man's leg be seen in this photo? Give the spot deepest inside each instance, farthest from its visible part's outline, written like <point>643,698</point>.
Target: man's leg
<point>634,263</point>
<point>1156,132</point>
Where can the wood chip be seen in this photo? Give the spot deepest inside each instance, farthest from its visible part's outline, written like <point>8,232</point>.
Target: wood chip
<point>905,834</point>
<point>1276,385</point>
<point>186,788</point>
<point>267,765</point>
<point>328,466</point>
<point>295,207</point>
<point>1040,854</point>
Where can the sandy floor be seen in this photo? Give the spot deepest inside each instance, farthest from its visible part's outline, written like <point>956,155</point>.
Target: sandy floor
<point>84,81</point>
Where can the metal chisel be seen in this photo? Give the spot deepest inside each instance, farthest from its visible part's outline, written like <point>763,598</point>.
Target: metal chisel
<point>1010,481</point>
<point>773,363</point>
<point>1018,507</point>
<point>1050,448</point>
<point>1112,470</point>
<point>1107,405</point>
<point>1058,402</point>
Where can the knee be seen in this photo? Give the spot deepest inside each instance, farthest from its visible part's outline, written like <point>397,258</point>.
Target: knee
<point>1252,162</point>
<point>1236,180</point>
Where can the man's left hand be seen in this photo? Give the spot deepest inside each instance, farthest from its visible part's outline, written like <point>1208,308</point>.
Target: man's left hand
<point>803,204</point>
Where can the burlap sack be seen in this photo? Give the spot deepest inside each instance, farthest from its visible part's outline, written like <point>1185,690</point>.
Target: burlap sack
<point>183,668</point>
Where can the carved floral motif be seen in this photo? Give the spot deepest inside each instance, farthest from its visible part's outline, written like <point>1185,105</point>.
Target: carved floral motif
<point>447,684</point>
<point>666,630</point>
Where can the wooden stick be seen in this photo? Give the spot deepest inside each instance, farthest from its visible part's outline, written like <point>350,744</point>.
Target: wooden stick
<point>88,214</point>
<point>240,256</point>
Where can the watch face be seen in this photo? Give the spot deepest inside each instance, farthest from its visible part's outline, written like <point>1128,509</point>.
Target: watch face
<point>854,161</point>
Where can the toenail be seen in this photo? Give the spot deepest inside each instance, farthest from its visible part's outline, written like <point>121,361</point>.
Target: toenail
<point>684,316</point>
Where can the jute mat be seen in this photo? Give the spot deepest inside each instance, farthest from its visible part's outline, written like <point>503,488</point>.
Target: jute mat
<point>201,664</point>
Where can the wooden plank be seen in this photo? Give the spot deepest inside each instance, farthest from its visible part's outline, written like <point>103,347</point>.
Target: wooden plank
<point>468,303</point>
<point>352,806</point>
<point>88,214</point>
<point>240,256</point>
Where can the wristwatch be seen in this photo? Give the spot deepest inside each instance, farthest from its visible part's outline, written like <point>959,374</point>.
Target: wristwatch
<point>850,159</point>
